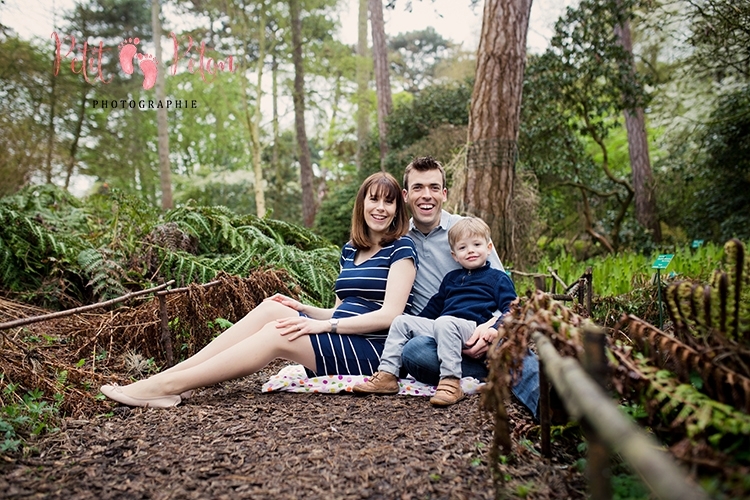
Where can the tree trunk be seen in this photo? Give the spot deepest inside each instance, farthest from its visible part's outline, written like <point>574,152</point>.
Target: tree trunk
<point>640,164</point>
<point>382,78</point>
<point>76,137</point>
<point>298,97</point>
<point>51,131</point>
<point>363,80</point>
<point>275,119</point>
<point>260,198</point>
<point>165,172</point>
<point>494,118</point>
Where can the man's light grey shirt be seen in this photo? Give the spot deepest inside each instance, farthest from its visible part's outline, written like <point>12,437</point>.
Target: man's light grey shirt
<point>435,260</point>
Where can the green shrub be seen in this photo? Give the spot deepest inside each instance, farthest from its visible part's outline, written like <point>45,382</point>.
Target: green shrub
<point>619,274</point>
<point>26,417</point>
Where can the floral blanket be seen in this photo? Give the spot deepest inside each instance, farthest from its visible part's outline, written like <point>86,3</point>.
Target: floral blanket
<point>293,378</point>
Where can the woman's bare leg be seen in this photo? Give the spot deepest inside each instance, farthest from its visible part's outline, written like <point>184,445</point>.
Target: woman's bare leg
<point>246,357</point>
<point>266,312</point>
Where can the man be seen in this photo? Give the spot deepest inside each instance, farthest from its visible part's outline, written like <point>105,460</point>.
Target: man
<point>425,193</point>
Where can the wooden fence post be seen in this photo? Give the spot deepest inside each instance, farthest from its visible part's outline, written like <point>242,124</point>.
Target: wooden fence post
<point>586,400</point>
<point>554,283</point>
<point>544,411</point>
<point>540,282</point>
<point>598,465</point>
<point>166,336</point>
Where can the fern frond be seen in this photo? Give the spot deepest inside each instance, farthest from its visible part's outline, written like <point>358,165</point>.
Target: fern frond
<point>104,272</point>
<point>30,249</point>
<point>187,268</point>
<point>719,310</point>
<point>698,413</point>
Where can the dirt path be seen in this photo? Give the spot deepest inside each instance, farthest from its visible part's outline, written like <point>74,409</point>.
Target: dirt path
<point>231,441</point>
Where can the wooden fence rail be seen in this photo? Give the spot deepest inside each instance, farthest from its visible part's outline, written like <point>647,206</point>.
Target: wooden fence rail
<point>586,401</point>
<point>580,290</point>
<point>68,312</point>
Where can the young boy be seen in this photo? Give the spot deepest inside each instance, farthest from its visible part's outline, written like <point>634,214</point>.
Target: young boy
<point>467,297</point>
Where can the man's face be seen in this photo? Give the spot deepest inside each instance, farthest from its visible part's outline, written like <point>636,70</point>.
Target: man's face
<point>424,196</point>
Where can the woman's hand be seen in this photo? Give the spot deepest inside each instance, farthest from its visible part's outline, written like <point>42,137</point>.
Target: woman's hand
<point>295,327</point>
<point>287,301</point>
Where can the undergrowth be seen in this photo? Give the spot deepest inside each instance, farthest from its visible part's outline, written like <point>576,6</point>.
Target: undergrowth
<point>619,274</point>
<point>22,418</point>
<point>689,385</point>
<point>60,252</point>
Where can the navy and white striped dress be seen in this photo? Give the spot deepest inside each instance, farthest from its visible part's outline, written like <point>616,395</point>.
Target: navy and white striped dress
<point>361,288</point>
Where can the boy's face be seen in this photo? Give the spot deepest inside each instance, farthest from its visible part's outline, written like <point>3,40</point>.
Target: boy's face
<point>471,252</point>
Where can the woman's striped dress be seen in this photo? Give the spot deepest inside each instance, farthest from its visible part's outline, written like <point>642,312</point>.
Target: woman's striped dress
<point>361,289</point>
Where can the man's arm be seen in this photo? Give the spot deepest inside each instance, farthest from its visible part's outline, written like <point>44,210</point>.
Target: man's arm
<point>494,259</point>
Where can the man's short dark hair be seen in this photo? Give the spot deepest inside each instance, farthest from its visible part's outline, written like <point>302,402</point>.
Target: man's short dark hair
<point>423,164</point>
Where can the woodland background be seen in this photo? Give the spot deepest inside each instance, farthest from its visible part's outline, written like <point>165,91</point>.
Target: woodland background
<point>628,137</point>
<point>574,188</point>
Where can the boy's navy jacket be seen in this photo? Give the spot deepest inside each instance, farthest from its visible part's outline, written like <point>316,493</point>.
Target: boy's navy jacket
<point>472,294</point>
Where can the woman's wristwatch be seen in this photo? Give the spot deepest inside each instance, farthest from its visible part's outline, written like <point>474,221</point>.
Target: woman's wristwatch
<point>334,324</point>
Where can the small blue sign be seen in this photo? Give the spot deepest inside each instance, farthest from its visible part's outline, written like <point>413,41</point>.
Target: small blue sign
<point>697,243</point>
<point>662,261</point>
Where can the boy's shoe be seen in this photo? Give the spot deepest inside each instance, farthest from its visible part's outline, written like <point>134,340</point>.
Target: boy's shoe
<point>379,383</point>
<point>448,392</point>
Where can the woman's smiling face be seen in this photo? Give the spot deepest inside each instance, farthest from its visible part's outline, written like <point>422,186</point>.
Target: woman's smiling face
<point>379,213</point>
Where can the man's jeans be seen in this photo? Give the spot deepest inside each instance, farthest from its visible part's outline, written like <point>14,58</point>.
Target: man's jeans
<point>420,360</point>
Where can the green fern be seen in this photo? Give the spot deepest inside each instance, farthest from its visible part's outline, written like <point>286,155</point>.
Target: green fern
<point>105,274</point>
<point>48,237</point>
<point>238,245</point>
<point>718,314</point>
<point>186,268</point>
<point>29,250</point>
<point>684,405</point>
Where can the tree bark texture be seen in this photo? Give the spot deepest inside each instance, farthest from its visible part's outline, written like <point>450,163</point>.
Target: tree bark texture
<point>640,164</point>
<point>50,130</point>
<point>363,81</point>
<point>382,77</point>
<point>298,97</point>
<point>165,171</point>
<point>76,137</point>
<point>260,197</point>
<point>494,118</point>
<point>275,118</point>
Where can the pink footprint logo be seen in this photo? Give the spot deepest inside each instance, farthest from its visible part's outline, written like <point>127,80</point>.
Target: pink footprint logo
<point>149,68</point>
<point>127,52</point>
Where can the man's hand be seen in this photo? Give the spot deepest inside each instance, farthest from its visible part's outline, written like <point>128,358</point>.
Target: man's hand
<point>480,340</point>
<point>476,347</point>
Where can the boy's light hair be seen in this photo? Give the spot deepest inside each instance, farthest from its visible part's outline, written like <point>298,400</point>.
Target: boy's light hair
<point>467,227</point>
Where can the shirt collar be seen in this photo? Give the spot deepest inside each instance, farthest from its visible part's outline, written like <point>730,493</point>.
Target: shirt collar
<point>443,224</point>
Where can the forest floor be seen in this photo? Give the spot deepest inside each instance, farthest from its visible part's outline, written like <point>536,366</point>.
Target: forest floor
<point>233,441</point>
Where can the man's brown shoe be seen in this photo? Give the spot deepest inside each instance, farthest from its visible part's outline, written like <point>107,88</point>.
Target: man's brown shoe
<point>448,392</point>
<point>379,383</point>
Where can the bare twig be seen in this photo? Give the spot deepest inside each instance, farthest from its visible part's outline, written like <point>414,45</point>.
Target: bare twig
<point>69,312</point>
